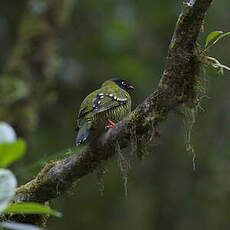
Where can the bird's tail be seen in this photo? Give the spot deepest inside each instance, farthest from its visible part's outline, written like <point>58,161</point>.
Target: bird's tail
<point>83,134</point>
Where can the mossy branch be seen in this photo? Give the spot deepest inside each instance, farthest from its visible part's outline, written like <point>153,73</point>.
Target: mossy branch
<point>175,88</point>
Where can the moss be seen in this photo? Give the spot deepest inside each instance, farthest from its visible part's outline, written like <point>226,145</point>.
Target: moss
<point>47,167</point>
<point>124,166</point>
<point>35,183</point>
<point>189,121</point>
<point>101,172</point>
<point>192,107</point>
<point>133,140</point>
<point>148,141</point>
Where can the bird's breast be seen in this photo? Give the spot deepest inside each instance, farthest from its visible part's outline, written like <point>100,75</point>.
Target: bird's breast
<point>115,114</point>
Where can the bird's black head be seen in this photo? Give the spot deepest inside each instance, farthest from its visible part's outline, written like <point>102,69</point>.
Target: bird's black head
<point>122,84</point>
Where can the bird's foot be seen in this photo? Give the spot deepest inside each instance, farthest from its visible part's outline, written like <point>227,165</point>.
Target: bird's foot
<point>110,125</point>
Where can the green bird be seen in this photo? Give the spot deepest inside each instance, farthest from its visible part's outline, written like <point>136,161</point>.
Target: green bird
<point>102,108</point>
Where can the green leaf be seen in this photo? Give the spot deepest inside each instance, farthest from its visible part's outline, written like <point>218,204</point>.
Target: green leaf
<point>211,36</point>
<point>220,37</point>
<point>10,152</point>
<point>8,184</point>
<point>18,226</point>
<point>31,208</point>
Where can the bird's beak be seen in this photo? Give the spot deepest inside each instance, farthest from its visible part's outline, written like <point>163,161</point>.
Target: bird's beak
<point>131,87</point>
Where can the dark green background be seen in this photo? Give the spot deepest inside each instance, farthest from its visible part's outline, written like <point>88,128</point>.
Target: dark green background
<point>130,39</point>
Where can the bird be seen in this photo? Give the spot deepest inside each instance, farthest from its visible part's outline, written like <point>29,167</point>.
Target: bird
<point>103,108</point>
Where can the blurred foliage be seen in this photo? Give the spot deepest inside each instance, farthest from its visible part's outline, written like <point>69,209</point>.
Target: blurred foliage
<point>129,39</point>
<point>10,152</point>
<point>11,149</point>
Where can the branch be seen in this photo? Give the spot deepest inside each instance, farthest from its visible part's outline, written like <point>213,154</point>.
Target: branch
<point>176,87</point>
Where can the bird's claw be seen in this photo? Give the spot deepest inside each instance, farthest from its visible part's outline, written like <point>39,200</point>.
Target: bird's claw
<point>110,125</point>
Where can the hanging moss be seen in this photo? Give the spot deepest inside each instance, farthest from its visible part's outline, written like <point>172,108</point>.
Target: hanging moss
<point>124,166</point>
<point>190,110</point>
<point>101,172</point>
<point>133,140</point>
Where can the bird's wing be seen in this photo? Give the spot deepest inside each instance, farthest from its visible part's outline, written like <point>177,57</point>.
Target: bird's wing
<point>83,111</point>
<point>107,101</point>
<point>98,102</point>
<point>86,106</point>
